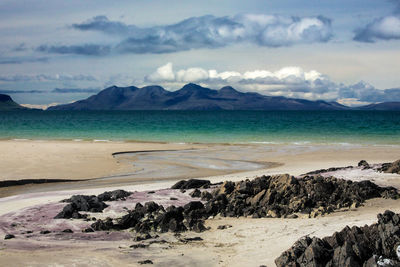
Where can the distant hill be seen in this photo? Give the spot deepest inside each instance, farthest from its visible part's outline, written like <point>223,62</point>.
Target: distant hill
<point>191,97</point>
<point>382,106</point>
<point>6,103</point>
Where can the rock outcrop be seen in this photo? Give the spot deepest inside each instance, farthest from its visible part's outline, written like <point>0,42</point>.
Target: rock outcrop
<point>374,245</point>
<point>191,184</point>
<point>89,203</point>
<point>393,167</point>
<point>155,218</point>
<point>284,195</point>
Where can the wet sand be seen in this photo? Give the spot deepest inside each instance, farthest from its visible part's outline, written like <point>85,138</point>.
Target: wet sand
<point>98,165</point>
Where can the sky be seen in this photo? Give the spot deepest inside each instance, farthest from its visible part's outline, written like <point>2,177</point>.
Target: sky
<point>61,51</point>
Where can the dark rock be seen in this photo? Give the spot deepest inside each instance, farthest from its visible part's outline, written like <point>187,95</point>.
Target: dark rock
<point>196,193</point>
<point>113,195</point>
<point>80,203</point>
<point>205,196</point>
<point>191,239</point>
<point>139,246</point>
<point>141,237</point>
<point>45,232</point>
<point>191,184</point>
<point>390,167</point>
<point>9,236</point>
<point>173,198</point>
<point>151,192</point>
<point>101,225</point>
<point>151,206</point>
<point>88,230</point>
<point>145,262</point>
<point>225,226</point>
<point>350,247</point>
<point>363,164</point>
<point>67,231</point>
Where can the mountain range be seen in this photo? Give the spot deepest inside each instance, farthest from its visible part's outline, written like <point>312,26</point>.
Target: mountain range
<point>193,97</point>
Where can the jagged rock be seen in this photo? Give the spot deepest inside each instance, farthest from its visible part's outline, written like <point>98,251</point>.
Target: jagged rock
<point>80,203</point>
<point>350,247</point>
<point>113,195</point>
<point>9,236</point>
<point>195,193</point>
<point>191,184</point>
<point>284,195</point>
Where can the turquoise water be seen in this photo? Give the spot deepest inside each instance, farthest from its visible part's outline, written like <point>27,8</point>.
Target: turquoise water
<point>354,127</point>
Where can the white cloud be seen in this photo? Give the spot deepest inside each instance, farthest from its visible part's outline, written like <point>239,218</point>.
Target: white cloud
<point>162,74</point>
<point>289,81</point>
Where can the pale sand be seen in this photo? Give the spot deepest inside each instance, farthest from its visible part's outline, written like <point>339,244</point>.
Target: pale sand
<point>250,242</point>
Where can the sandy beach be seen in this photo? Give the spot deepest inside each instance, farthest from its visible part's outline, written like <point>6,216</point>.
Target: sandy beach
<point>249,242</point>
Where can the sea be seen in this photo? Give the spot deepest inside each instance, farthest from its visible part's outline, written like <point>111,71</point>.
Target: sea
<point>235,127</point>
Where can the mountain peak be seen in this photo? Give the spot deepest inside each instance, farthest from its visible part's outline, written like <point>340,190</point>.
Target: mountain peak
<point>5,98</point>
<point>191,86</point>
<point>228,89</point>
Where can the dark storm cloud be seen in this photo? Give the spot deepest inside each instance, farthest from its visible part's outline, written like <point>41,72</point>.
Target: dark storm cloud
<point>201,32</point>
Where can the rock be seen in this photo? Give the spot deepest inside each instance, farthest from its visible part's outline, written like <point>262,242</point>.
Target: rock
<point>195,193</point>
<point>45,232</point>
<point>67,231</point>
<point>225,226</point>
<point>173,198</point>
<point>141,237</point>
<point>80,203</point>
<point>191,184</point>
<point>363,164</point>
<point>190,239</point>
<point>145,262</point>
<point>101,225</point>
<point>350,247</point>
<point>113,195</point>
<point>390,167</point>
<point>205,196</point>
<point>88,230</point>
<point>9,236</point>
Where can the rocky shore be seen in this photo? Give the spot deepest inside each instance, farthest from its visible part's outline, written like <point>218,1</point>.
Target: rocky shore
<point>187,205</point>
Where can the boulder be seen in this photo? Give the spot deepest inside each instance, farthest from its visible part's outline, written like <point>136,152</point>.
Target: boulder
<point>374,245</point>
<point>191,184</point>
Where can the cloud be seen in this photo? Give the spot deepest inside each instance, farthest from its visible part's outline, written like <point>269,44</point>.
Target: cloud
<point>8,92</point>
<point>288,81</point>
<point>201,32</point>
<point>162,74</point>
<point>383,28</point>
<point>368,93</point>
<point>85,49</point>
<point>20,60</point>
<point>75,90</point>
<point>46,77</point>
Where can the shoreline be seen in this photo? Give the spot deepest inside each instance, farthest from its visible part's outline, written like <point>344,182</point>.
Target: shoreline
<point>89,164</point>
